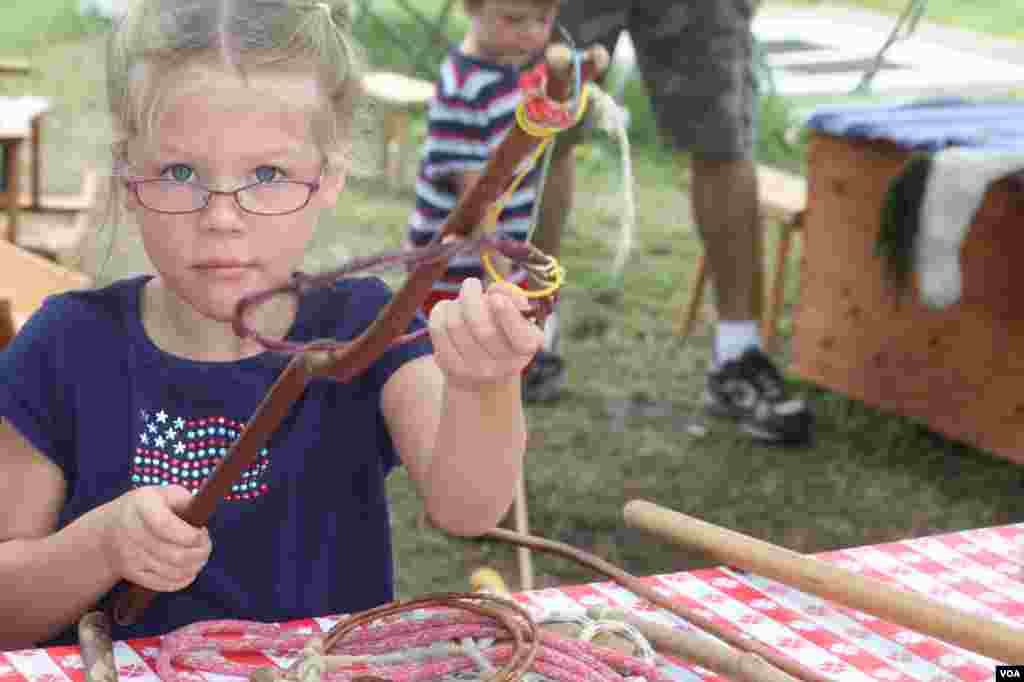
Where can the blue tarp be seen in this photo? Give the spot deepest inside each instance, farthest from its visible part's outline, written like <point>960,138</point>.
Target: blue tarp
<point>929,126</point>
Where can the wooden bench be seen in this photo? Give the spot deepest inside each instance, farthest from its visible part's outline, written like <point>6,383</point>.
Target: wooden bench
<point>782,196</point>
<point>26,279</point>
<point>398,97</point>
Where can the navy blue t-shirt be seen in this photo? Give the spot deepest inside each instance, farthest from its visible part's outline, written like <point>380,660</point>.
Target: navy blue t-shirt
<point>305,532</point>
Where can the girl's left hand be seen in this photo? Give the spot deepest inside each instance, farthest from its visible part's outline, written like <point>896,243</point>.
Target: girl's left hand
<point>482,338</point>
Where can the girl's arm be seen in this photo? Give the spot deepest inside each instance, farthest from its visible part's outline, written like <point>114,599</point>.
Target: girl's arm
<point>48,579</point>
<point>463,447</point>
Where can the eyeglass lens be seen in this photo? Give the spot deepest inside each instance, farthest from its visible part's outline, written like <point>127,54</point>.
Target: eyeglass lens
<point>264,198</point>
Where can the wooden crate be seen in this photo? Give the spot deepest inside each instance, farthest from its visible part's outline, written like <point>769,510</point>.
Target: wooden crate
<point>960,369</point>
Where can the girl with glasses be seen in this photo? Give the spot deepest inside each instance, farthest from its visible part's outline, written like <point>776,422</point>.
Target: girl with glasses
<point>234,123</point>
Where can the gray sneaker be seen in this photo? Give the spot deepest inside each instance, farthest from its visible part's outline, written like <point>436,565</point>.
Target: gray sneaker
<point>544,378</point>
<point>751,390</point>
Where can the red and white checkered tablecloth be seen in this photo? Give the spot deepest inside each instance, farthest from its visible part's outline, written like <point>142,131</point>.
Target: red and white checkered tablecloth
<point>980,571</point>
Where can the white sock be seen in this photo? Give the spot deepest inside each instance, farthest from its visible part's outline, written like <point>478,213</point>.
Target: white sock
<point>733,338</point>
<point>551,332</point>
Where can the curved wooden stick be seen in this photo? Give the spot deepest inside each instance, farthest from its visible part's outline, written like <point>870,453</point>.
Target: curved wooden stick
<point>915,611</point>
<point>357,356</point>
<point>704,651</point>
<point>641,589</point>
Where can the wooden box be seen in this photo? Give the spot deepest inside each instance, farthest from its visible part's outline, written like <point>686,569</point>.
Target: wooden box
<point>960,369</point>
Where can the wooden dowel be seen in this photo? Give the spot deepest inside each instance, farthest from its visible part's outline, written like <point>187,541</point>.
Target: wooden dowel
<point>686,317</point>
<point>522,524</point>
<point>741,666</point>
<point>647,592</point>
<point>917,612</point>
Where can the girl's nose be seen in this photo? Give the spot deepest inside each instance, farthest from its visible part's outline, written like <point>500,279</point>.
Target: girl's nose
<point>222,213</point>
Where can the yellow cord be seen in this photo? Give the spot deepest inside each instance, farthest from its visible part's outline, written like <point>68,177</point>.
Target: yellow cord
<point>546,134</point>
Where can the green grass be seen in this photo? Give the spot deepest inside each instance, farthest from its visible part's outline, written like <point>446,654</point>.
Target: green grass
<point>620,432</point>
<point>27,27</point>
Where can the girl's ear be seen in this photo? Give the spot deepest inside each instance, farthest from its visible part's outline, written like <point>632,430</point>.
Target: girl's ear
<point>331,186</point>
<point>128,198</point>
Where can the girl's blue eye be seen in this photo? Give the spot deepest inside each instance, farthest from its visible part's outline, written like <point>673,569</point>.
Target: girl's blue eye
<point>267,173</point>
<point>179,172</point>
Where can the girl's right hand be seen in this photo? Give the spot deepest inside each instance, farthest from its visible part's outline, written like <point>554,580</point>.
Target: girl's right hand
<point>149,544</point>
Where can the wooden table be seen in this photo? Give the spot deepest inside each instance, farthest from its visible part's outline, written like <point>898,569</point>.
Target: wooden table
<point>19,122</point>
<point>979,570</point>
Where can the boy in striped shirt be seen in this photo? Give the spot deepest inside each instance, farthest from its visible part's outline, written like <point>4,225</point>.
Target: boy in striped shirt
<point>473,109</point>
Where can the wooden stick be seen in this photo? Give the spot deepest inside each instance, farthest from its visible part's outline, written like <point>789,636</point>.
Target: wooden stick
<point>275,406</point>
<point>686,316</point>
<point>645,591</point>
<point>523,526</point>
<point>741,666</point>
<point>917,612</point>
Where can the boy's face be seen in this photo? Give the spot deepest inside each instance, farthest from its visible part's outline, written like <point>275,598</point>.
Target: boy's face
<point>224,139</point>
<point>513,30</point>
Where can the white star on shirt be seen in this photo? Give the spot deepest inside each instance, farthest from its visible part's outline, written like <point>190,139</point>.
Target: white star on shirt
<point>161,416</point>
<point>152,428</point>
<point>170,433</point>
<point>160,441</point>
<point>179,448</point>
<point>144,438</point>
<point>179,423</point>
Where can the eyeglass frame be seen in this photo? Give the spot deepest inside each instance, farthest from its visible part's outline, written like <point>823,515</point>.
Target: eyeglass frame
<point>133,182</point>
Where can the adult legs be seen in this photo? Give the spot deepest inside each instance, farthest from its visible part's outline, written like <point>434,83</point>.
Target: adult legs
<point>723,195</point>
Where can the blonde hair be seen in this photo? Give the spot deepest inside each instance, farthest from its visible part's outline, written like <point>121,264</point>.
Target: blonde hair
<point>157,40</point>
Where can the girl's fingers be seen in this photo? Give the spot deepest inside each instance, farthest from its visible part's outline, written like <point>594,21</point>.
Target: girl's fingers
<point>511,292</point>
<point>445,354</point>
<point>478,317</point>
<point>472,359</point>
<point>160,519</point>
<point>155,572</point>
<point>523,336</point>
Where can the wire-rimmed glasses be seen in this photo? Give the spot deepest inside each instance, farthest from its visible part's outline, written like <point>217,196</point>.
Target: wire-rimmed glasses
<point>276,197</point>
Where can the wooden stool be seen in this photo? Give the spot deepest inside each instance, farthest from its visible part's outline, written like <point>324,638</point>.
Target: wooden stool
<point>782,196</point>
<point>399,97</point>
<point>15,66</point>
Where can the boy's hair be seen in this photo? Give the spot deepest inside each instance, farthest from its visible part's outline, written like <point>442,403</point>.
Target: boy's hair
<point>473,6</point>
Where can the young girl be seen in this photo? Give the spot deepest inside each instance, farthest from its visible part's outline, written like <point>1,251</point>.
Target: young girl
<point>234,121</point>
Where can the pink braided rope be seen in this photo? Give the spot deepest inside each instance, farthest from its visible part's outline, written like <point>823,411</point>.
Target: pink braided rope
<point>201,647</point>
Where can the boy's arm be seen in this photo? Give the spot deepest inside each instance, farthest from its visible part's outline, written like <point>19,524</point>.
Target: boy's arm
<point>556,200</point>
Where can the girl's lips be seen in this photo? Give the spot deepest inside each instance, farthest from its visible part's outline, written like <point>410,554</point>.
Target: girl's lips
<point>224,269</point>
<point>212,264</point>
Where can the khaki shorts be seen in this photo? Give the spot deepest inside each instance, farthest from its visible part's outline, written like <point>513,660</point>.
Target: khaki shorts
<point>696,61</point>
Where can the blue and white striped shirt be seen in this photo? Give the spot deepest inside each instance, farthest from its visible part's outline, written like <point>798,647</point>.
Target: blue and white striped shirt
<point>474,107</point>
